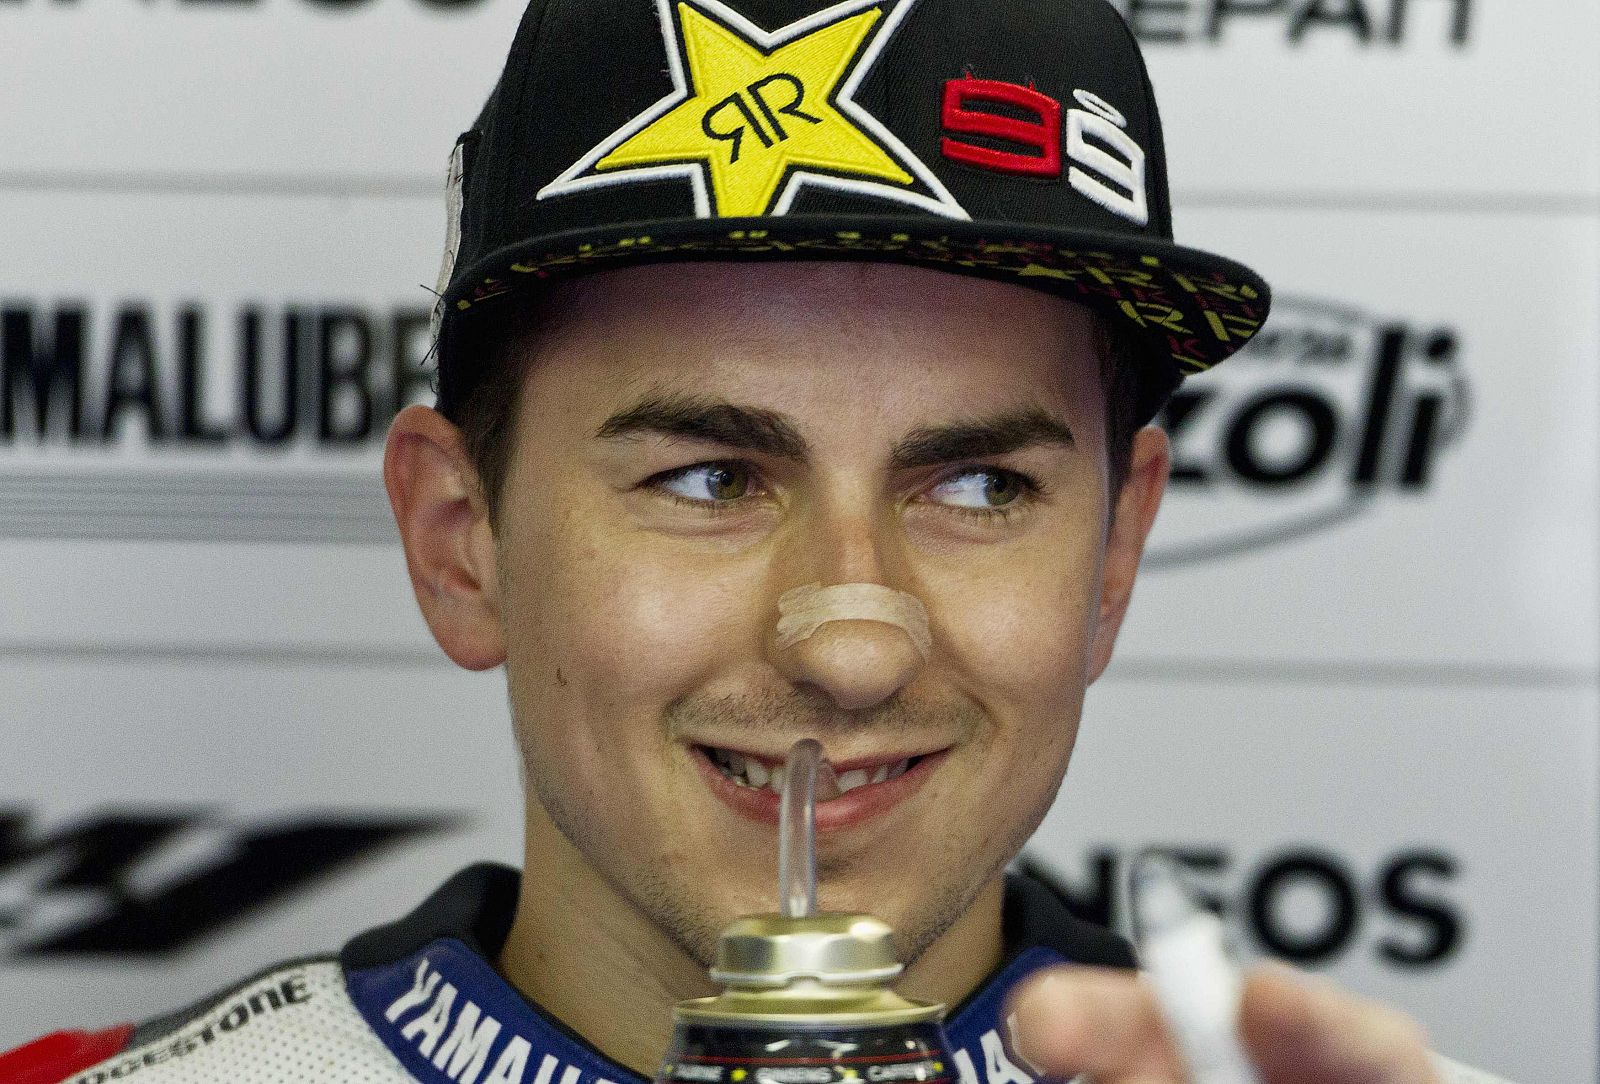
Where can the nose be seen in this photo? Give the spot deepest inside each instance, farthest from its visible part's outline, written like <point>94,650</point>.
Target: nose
<point>856,643</point>
<point>847,632</point>
<point>858,658</point>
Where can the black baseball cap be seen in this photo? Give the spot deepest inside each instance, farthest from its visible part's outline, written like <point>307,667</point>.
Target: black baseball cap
<point>1015,140</point>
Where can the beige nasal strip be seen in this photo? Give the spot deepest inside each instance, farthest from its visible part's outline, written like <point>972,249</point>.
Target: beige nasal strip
<point>804,610</point>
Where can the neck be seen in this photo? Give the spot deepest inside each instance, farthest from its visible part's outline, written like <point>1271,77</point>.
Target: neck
<point>588,957</point>
<point>593,961</point>
<point>964,955</point>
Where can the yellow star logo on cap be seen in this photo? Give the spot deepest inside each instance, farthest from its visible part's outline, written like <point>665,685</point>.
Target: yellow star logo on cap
<point>756,116</point>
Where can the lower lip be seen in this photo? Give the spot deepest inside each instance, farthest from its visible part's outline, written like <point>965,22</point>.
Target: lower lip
<point>846,811</point>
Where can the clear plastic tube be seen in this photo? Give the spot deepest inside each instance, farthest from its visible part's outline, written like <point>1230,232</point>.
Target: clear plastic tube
<point>806,777</point>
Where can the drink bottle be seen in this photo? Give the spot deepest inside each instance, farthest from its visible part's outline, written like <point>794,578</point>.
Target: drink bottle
<point>807,1001</point>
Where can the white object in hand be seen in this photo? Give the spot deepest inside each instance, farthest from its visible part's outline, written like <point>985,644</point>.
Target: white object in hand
<point>1197,986</point>
<point>1453,1072</point>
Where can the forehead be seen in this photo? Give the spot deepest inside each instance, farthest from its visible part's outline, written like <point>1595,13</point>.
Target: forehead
<point>845,336</point>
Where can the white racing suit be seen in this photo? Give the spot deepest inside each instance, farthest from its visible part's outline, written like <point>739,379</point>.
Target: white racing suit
<point>419,1002</point>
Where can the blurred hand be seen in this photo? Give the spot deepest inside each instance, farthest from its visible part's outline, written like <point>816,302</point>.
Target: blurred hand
<point>1296,1029</point>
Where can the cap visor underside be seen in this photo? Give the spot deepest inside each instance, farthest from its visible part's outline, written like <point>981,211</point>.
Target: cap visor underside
<point>1192,308</point>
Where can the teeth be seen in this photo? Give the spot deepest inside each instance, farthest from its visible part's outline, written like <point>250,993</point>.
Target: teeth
<point>748,772</point>
<point>849,781</point>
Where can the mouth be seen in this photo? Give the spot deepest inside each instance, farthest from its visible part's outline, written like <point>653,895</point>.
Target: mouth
<point>752,784</point>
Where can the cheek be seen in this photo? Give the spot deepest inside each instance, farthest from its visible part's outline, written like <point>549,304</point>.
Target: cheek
<point>630,629</point>
<point>1020,634</point>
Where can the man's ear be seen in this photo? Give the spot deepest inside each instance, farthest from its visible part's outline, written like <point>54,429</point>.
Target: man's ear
<point>1134,514</point>
<point>444,525</point>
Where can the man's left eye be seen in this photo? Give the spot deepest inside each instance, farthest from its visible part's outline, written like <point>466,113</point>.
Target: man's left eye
<point>708,483</point>
<point>986,488</point>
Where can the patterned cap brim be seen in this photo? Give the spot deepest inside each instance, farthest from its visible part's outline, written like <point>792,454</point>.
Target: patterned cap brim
<point>1191,308</point>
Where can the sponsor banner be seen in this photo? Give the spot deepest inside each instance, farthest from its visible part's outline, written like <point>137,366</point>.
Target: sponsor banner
<point>1428,845</point>
<point>1292,98</point>
<point>1403,469</point>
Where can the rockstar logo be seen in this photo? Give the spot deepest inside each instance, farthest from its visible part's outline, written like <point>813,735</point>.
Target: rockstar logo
<point>755,116</point>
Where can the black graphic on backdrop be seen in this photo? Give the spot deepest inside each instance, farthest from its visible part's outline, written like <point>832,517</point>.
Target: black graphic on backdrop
<point>1308,905</point>
<point>330,376</point>
<point>1327,412</point>
<point>137,884</point>
<point>259,423</point>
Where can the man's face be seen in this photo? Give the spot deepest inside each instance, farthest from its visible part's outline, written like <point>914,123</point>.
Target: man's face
<point>695,440</point>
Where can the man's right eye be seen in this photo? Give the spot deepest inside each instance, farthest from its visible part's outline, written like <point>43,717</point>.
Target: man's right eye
<point>706,483</point>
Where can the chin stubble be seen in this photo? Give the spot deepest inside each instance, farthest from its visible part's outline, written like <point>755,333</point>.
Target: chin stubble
<point>682,916</point>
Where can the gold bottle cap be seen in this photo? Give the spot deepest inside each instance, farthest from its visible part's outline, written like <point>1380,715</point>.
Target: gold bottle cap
<point>769,951</point>
<point>833,967</point>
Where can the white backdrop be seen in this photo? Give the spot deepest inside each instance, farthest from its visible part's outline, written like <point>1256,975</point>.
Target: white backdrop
<point>1360,687</point>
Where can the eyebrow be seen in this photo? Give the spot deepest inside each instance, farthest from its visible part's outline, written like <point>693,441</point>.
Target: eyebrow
<point>751,429</point>
<point>696,417</point>
<point>1000,435</point>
